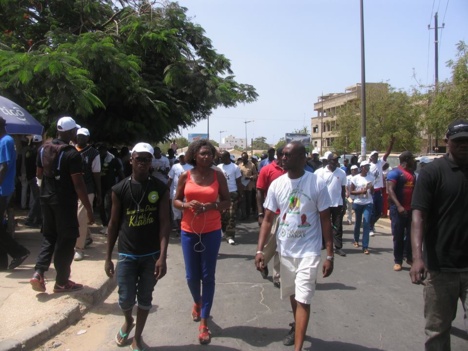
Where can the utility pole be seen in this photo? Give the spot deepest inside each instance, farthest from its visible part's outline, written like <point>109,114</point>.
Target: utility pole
<point>246,122</point>
<point>221,131</point>
<point>363,87</point>
<point>436,63</point>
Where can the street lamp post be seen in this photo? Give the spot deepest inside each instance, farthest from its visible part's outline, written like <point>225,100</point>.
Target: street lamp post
<point>220,132</point>
<point>246,122</point>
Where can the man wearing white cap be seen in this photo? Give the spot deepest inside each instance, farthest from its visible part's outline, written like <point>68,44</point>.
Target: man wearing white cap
<point>174,174</point>
<point>59,166</point>
<point>140,219</point>
<point>376,170</point>
<point>92,177</point>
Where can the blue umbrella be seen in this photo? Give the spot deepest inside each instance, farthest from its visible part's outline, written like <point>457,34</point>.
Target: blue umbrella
<point>18,120</point>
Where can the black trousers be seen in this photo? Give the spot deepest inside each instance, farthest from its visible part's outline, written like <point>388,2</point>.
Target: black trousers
<point>8,245</point>
<point>337,225</point>
<point>60,231</point>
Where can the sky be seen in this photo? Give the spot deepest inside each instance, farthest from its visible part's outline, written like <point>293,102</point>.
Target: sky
<point>294,51</point>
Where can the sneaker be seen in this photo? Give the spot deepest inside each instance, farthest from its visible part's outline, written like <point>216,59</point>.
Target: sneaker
<point>15,262</point>
<point>340,252</point>
<point>37,282</point>
<point>397,267</point>
<point>88,241</point>
<point>79,255</point>
<point>69,287</point>
<point>103,230</point>
<point>371,233</point>
<point>289,338</point>
<point>231,241</point>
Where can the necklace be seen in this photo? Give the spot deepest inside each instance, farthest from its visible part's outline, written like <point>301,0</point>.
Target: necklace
<point>142,196</point>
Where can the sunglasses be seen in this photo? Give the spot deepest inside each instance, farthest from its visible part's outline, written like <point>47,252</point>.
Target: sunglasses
<point>142,159</point>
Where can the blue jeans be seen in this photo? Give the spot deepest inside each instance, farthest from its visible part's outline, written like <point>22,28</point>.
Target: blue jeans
<point>441,293</point>
<point>377,208</point>
<point>401,231</point>
<point>362,211</point>
<point>200,266</point>
<point>136,280</point>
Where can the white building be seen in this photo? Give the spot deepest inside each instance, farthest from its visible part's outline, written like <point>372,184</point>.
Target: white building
<point>230,141</point>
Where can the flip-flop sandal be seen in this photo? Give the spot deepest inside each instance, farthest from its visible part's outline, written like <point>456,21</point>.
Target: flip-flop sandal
<point>123,336</point>
<point>205,336</point>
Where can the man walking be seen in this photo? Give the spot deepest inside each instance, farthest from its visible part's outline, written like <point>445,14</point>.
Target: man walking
<point>59,166</point>
<point>335,179</point>
<point>8,245</point>
<point>249,178</point>
<point>400,185</point>
<point>440,223</point>
<point>303,201</point>
<point>140,218</point>
<point>233,176</point>
<point>376,169</point>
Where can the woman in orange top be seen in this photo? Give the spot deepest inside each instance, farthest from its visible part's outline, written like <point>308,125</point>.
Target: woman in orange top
<point>202,193</point>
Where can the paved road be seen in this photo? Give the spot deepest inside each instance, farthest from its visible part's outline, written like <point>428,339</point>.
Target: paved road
<point>363,306</point>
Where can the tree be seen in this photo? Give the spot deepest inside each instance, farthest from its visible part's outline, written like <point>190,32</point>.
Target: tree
<point>281,143</point>
<point>303,130</point>
<point>136,72</point>
<point>260,144</point>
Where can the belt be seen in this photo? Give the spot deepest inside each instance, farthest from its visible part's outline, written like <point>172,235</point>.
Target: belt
<point>377,190</point>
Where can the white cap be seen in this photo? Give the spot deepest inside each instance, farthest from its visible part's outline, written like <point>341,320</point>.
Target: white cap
<point>326,154</point>
<point>143,147</point>
<point>83,131</point>
<point>66,123</point>
<point>37,138</point>
<point>233,158</point>
<point>354,167</point>
<point>365,163</point>
<point>315,151</point>
<point>374,153</point>
<point>181,154</point>
<point>424,159</point>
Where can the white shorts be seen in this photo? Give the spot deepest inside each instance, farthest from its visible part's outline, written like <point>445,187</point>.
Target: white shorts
<point>299,277</point>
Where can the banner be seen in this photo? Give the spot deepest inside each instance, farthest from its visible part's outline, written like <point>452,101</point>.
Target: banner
<point>196,136</point>
<point>303,138</point>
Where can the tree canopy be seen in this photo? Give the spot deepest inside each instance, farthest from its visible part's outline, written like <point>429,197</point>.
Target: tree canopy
<point>132,72</point>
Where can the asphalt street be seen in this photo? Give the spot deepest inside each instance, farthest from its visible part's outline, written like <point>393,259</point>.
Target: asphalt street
<point>364,305</point>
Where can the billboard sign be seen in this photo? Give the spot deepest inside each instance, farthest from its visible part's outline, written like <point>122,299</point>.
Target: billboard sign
<point>196,136</point>
<point>303,138</point>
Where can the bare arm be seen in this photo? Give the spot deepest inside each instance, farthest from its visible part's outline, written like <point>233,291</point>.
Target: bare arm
<point>160,268</point>
<point>418,271</point>
<point>3,171</point>
<point>112,234</point>
<point>97,183</point>
<point>260,201</point>
<point>393,197</point>
<point>265,229</point>
<point>325,224</point>
<point>389,149</point>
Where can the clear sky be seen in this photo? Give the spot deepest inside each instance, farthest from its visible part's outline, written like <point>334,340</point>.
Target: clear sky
<point>293,51</point>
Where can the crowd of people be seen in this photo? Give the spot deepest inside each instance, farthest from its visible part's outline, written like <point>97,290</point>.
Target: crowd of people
<point>299,201</point>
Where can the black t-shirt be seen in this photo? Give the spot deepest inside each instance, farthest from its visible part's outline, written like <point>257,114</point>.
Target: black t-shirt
<point>109,172</point>
<point>441,192</point>
<point>60,189</point>
<point>139,217</point>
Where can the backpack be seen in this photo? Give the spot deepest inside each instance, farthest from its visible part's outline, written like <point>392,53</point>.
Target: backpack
<point>51,157</point>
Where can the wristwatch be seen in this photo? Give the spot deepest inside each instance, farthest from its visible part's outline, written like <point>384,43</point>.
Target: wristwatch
<point>330,258</point>
<point>260,215</point>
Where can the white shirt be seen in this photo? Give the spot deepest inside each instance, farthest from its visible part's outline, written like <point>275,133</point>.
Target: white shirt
<point>348,185</point>
<point>299,201</point>
<point>335,181</point>
<point>174,174</point>
<point>360,183</point>
<point>160,164</point>
<point>376,171</point>
<point>231,172</point>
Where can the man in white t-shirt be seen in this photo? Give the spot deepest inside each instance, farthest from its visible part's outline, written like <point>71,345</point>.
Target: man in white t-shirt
<point>174,174</point>
<point>233,176</point>
<point>303,201</point>
<point>335,179</point>
<point>160,165</point>
<point>376,171</point>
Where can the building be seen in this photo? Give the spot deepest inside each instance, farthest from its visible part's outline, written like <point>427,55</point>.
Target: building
<point>230,142</point>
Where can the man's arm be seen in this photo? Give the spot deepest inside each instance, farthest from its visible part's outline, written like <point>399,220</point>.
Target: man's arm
<point>160,268</point>
<point>80,188</point>
<point>325,224</point>
<point>265,229</point>
<point>418,271</point>
<point>260,201</point>
<point>3,171</point>
<point>389,149</point>
<point>393,197</point>
<point>112,233</point>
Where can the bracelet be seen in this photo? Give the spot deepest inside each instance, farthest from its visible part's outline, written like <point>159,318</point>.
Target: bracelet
<point>183,205</point>
<point>203,208</point>
<point>216,204</point>
<point>330,258</point>
<point>261,215</point>
<point>261,252</point>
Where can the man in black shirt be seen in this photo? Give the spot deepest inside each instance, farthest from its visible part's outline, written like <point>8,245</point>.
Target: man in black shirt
<point>440,223</point>
<point>140,217</point>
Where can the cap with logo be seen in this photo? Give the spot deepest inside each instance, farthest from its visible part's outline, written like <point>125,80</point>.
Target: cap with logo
<point>457,130</point>
<point>143,147</point>
<point>83,131</point>
<point>65,124</point>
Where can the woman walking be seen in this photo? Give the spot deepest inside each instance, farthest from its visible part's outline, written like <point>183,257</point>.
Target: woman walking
<point>202,193</point>
<point>362,186</point>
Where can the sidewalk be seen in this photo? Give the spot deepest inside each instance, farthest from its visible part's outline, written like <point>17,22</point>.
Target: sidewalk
<point>29,317</point>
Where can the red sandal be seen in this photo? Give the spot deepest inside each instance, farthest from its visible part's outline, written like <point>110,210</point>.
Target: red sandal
<point>205,336</point>
<point>196,312</point>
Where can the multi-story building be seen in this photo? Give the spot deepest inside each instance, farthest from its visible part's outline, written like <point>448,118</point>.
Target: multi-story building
<point>230,141</point>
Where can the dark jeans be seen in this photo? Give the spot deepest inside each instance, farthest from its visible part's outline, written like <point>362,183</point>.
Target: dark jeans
<point>401,231</point>
<point>136,280</point>
<point>441,293</point>
<point>60,231</point>
<point>377,210</point>
<point>8,245</point>
<point>200,266</point>
<point>246,204</point>
<point>337,225</point>
<point>35,214</point>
